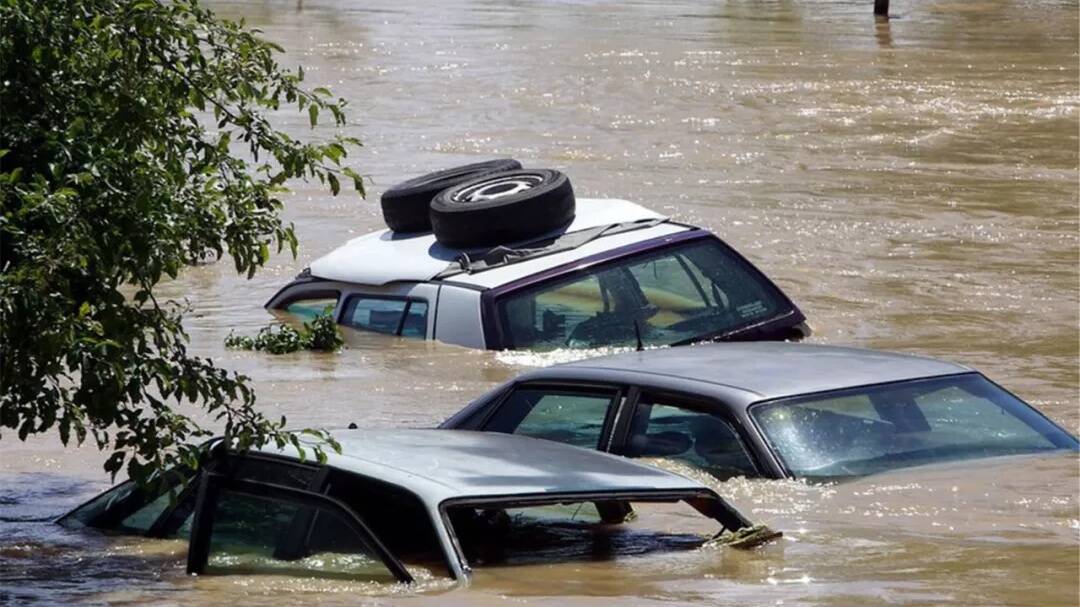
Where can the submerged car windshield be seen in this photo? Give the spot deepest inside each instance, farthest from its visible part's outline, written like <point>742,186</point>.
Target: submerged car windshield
<point>873,429</point>
<point>682,293</point>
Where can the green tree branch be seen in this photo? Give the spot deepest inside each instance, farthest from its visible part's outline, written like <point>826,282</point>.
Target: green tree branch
<point>119,124</point>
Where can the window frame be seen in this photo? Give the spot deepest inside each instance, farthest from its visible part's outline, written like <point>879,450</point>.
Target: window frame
<point>306,287</point>
<point>615,405</point>
<point>211,484</point>
<point>691,402</point>
<point>494,320</point>
<point>706,501</point>
<point>347,298</point>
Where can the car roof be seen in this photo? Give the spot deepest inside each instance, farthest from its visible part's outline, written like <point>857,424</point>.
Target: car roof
<point>384,256</point>
<point>438,465</point>
<point>741,373</point>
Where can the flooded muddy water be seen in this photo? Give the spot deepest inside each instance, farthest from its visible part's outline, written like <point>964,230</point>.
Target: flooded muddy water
<point>912,184</point>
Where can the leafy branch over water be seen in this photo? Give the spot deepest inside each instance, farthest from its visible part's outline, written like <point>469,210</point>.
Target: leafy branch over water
<point>135,140</point>
<point>320,334</point>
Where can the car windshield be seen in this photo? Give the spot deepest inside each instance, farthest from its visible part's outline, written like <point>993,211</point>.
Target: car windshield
<point>682,293</point>
<point>898,425</point>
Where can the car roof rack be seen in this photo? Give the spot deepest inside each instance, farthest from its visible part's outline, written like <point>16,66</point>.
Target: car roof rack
<point>500,256</point>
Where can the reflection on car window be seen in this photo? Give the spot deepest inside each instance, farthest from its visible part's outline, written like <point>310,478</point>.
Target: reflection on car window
<point>681,293</point>
<point>307,309</point>
<point>142,519</point>
<point>415,324</point>
<point>575,419</point>
<point>869,430</point>
<point>259,535</point>
<point>402,522</point>
<point>699,439</point>
<point>128,509</point>
<point>407,318</point>
<point>91,513</point>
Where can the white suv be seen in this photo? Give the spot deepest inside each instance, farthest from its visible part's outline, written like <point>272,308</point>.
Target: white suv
<point>616,274</point>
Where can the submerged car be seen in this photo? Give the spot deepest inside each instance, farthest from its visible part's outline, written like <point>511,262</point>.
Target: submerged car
<point>395,500</point>
<point>774,410</point>
<point>542,273</point>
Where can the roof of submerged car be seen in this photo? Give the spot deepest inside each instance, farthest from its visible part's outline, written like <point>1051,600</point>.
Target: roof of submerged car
<point>385,256</point>
<point>438,465</point>
<point>740,373</point>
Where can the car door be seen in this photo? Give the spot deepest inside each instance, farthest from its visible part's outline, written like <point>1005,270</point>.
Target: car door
<point>685,429</point>
<point>251,513</point>
<point>267,524</point>
<point>576,414</point>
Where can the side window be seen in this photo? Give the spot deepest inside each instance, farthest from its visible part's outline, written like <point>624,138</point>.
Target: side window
<point>253,533</point>
<point>407,318</point>
<point>575,418</point>
<point>700,439</point>
<point>378,315</point>
<point>307,309</point>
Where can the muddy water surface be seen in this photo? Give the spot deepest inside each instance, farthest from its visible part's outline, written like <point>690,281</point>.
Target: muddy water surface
<point>913,185</point>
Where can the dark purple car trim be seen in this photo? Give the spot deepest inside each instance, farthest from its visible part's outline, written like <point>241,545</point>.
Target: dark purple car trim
<point>495,339</point>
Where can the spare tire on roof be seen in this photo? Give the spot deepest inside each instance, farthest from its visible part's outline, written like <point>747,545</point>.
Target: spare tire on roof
<point>405,205</point>
<point>502,208</point>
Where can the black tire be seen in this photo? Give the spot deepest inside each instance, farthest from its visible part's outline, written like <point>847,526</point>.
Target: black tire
<point>405,205</point>
<point>502,208</point>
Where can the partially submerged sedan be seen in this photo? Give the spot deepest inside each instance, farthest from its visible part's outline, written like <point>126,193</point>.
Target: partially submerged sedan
<point>394,500</point>
<point>612,273</point>
<point>773,410</point>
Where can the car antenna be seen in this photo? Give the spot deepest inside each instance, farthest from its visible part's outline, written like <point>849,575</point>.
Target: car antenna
<point>637,334</point>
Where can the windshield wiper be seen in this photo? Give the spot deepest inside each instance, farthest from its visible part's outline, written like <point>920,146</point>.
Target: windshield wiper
<point>722,334</point>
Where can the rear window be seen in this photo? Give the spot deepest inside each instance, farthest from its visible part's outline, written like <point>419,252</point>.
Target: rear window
<point>877,428</point>
<point>685,292</point>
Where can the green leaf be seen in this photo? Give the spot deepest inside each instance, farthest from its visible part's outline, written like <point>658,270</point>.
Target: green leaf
<point>115,182</point>
<point>114,463</point>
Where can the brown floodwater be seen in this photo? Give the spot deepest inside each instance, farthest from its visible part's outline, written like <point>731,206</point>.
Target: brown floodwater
<point>912,184</point>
